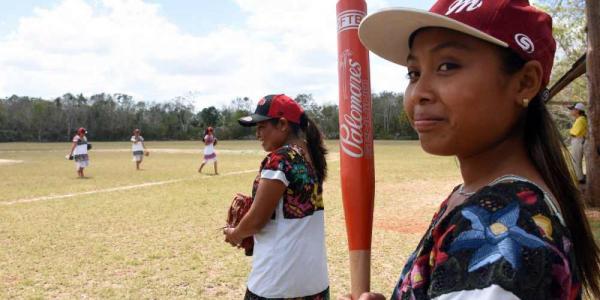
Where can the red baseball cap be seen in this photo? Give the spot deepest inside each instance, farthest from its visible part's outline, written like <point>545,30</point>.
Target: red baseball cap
<point>81,130</point>
<point>274,106</point>
<point>513,24</point>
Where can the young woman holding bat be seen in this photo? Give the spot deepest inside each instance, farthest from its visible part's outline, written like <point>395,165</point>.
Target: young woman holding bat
<point>286,217</point>
<point>515,228</point>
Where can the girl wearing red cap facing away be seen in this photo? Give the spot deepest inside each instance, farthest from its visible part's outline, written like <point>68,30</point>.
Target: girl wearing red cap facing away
<point>210,141</point>
<point>79,151</point>
<point>286,217</point>
<point>515,228</point>
<point>138,148</point>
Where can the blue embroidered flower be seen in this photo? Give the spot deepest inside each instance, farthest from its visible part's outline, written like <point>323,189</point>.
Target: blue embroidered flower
<point>495,236</point>
<point>300,174</point>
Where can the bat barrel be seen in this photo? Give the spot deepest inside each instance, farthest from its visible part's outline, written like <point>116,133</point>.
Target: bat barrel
<point>356,140</point>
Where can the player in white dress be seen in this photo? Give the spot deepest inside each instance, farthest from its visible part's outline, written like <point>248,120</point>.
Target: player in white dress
<point>138,148</point>
<point>79,151</point>
<point>209,149</point>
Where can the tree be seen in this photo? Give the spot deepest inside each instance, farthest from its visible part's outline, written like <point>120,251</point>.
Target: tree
<point>103,121</point>
<point>406,131</point>
<point>6,134</point>
<point>386,110</point>
<point>241,104</point>
<point>3,117</point>
<point>182,109</point>
<point>239,107</point>
<point>329,123</point>
<point>309,105</point>
<point>41,113</point>
<point>209,116</point>
<point>112,117</point>
<point>568,28</point>
<point>592,156</point>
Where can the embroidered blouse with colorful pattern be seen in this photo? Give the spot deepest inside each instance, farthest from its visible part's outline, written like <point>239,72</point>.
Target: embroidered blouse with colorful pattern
<point>506,241</point>
<point>303,195</point>
<point>289,259</point>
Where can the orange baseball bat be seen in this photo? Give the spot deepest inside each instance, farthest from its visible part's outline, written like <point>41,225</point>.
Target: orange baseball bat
<point>356,141</point>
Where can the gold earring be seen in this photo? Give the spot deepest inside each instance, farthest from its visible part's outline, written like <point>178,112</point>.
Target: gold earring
<point>525,102</point>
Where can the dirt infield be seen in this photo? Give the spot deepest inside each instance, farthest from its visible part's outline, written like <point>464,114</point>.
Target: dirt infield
<point>405,225</point>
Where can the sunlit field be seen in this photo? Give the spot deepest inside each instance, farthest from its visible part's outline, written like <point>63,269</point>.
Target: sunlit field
<point>154,233</point>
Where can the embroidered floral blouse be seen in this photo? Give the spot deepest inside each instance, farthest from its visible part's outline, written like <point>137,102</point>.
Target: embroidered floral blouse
<point>289,258</point>
<point>304,194</point>
<point>507,241</point>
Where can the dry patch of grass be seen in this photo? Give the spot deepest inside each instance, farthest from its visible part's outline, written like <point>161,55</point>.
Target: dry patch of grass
<point>162,241</point>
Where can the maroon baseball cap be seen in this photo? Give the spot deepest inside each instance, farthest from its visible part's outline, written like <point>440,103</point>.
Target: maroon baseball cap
<point>513,24</point>
<point>81,130</point>
<point>274,106</point>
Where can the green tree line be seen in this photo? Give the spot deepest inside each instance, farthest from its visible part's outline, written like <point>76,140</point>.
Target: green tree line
<point>112,117</point>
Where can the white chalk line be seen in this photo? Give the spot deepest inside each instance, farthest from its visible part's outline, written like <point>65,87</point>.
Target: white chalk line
<point>152,150</point>
<point>116,189</point>
<point>187,151</point>
<point>9,161</point>
<point>121,188</point>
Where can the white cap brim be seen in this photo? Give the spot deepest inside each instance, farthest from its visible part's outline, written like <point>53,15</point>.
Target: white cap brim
<point>386,32</point>
<point>579,107</point>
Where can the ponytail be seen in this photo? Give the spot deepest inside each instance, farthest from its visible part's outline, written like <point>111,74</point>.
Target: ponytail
<point>204,135</point>
<point>314,142</point>
<point>547,151</point>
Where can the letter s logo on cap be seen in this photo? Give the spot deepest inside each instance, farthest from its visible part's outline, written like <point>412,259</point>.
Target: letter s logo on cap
<point>460,5</point>
<point>524,42</point>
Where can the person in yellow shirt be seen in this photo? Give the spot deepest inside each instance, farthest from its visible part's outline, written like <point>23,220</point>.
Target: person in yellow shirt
<point>578,132</point>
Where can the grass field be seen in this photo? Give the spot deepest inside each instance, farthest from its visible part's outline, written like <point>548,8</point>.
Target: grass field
<point>154,233</point>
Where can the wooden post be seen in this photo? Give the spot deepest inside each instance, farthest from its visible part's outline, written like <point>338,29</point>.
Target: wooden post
<point>592,148</point>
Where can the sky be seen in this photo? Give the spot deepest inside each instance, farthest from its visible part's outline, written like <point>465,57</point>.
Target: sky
<point>207,51</point>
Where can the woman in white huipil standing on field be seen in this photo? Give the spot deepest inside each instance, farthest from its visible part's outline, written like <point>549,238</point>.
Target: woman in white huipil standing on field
<point>138,148</point>
<point>79,151</point>
<point>210,141</point>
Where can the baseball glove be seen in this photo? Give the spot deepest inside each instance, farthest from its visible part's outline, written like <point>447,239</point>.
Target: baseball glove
<point>89,146</point>
<point>238,209</point>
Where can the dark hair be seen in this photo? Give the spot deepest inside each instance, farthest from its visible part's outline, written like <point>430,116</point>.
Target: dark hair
<point>314,142</point>
<point>547,152</point>
<point>204,135</point>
